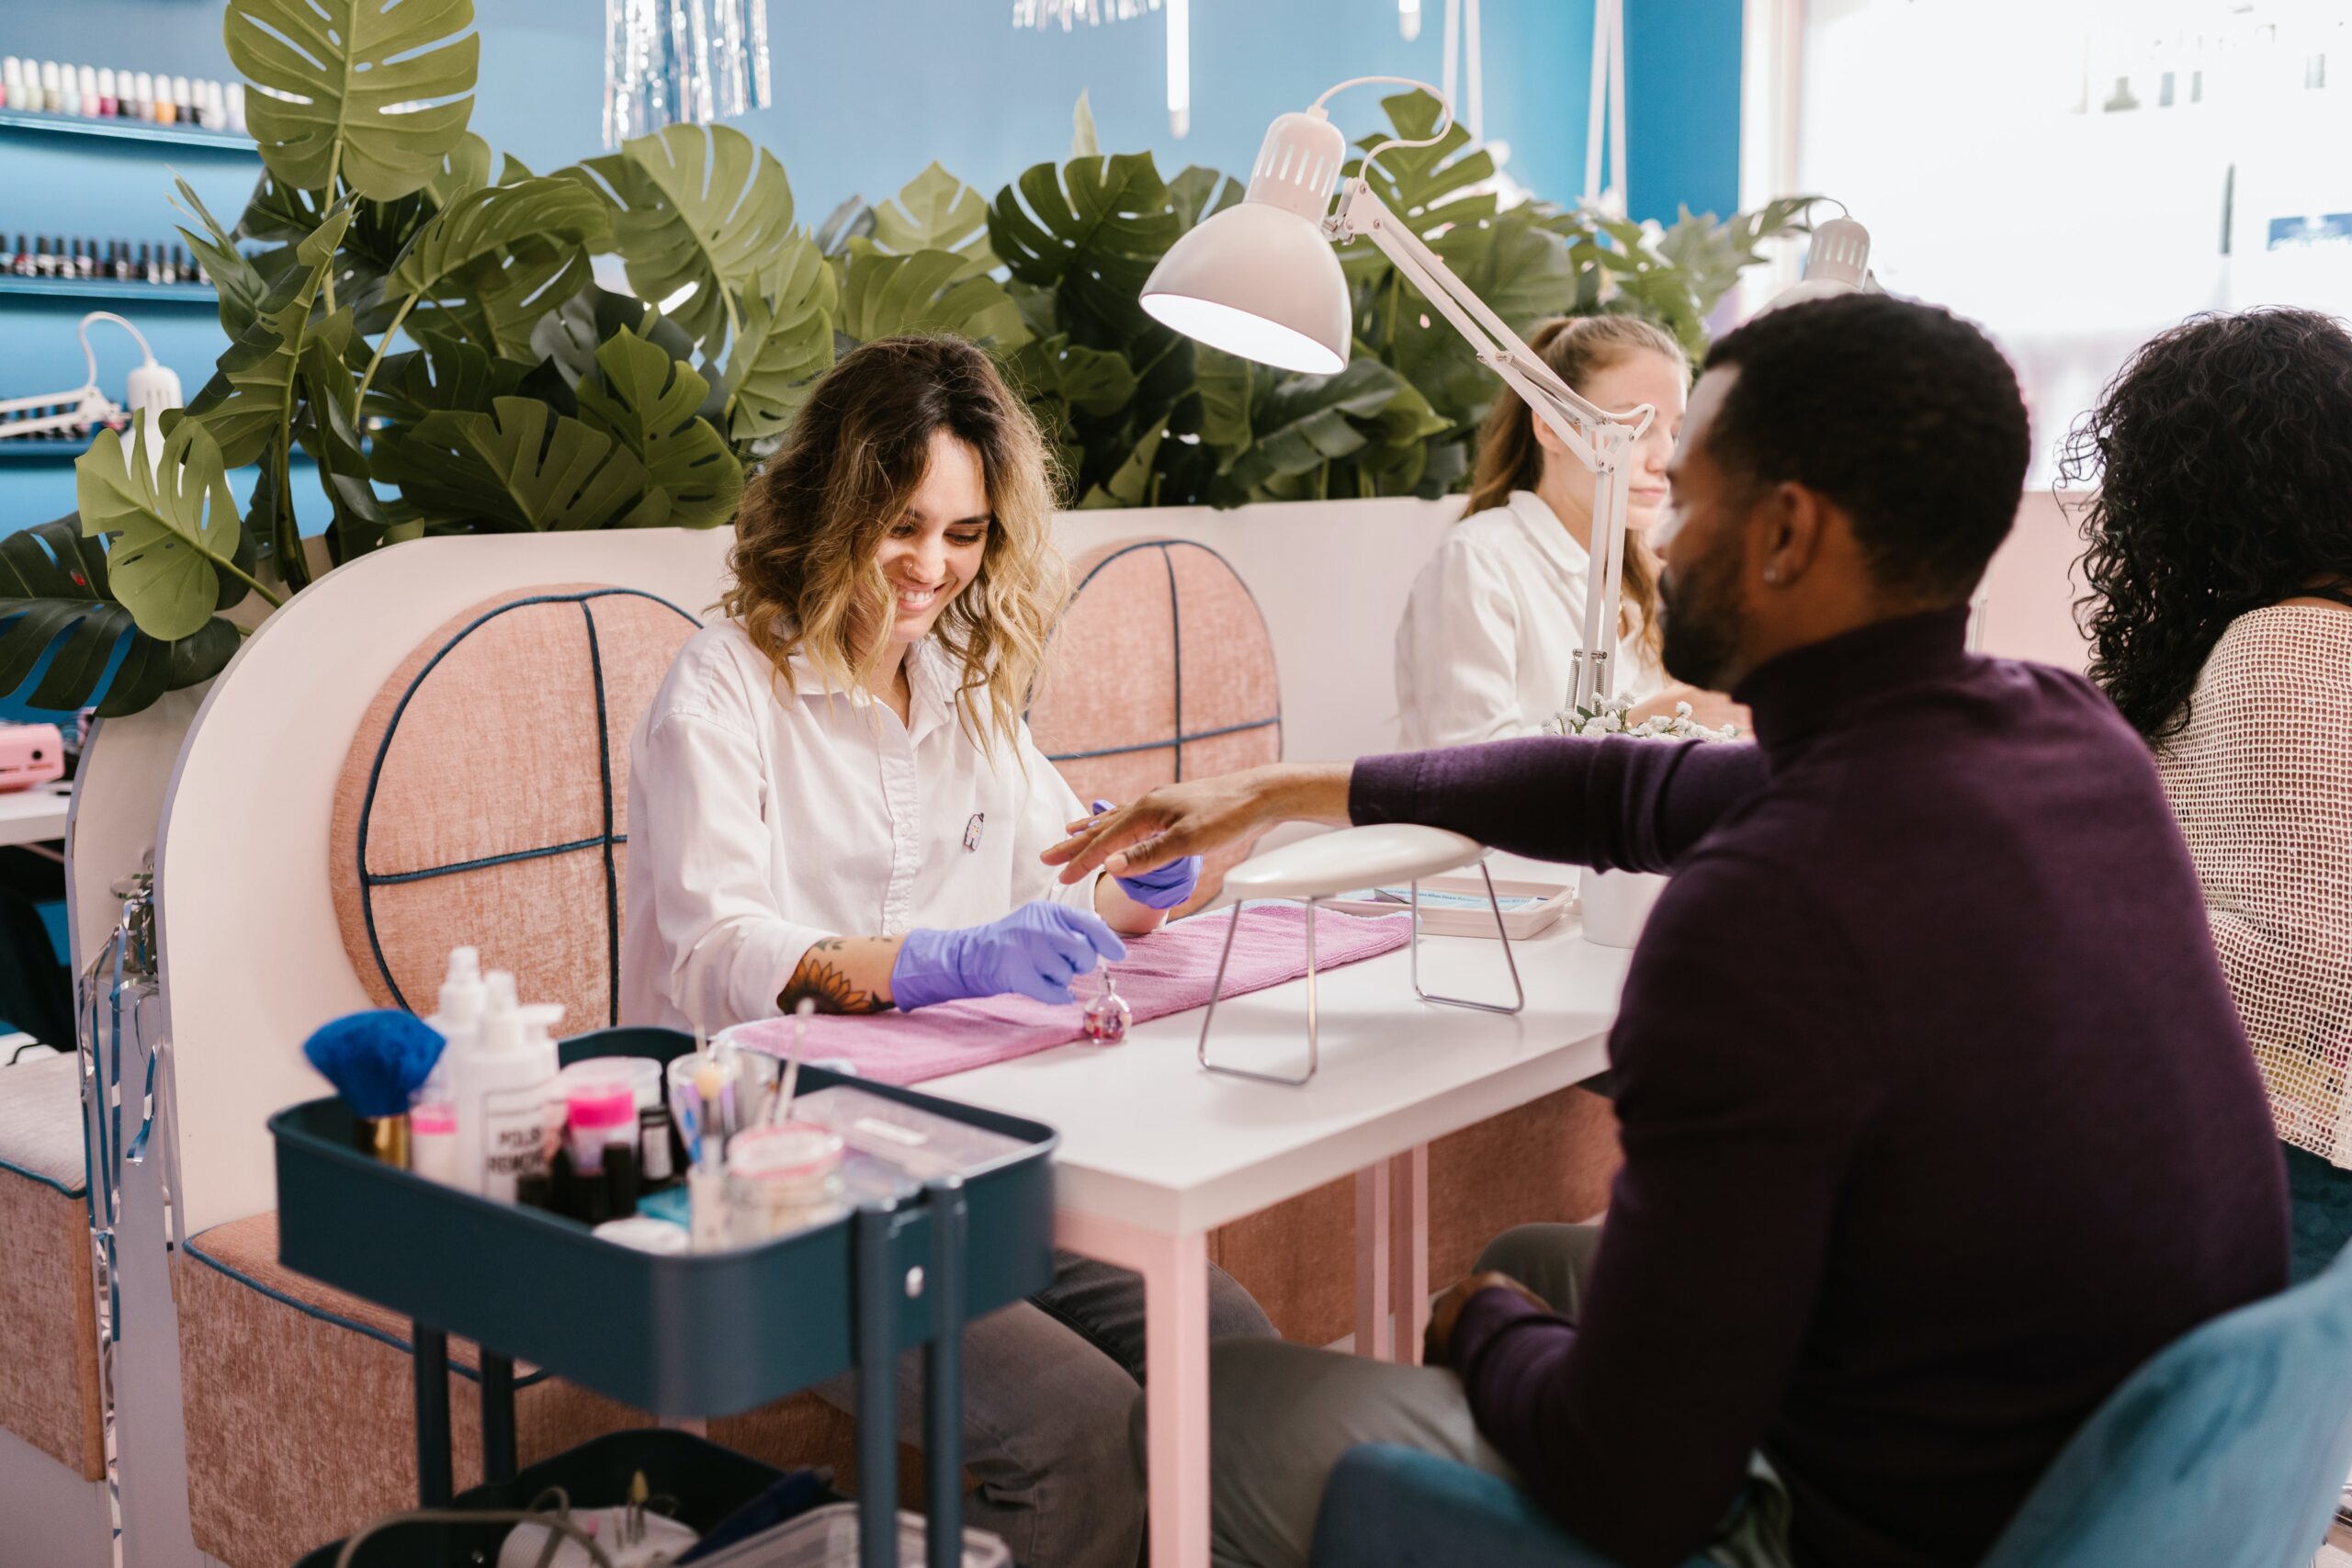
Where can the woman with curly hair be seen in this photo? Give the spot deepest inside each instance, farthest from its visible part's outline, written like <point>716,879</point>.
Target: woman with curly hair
<point>2221,620</point>
<point>833,796</point>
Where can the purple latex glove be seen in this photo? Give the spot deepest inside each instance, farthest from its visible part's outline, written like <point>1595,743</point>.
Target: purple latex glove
<point>1161,890</point>
<point>1036,950</point>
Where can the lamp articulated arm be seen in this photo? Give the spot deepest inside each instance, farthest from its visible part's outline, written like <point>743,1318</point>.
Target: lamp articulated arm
<point>1600,439</point>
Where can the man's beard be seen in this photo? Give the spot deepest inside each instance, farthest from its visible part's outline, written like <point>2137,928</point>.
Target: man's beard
<point>1704,621</point>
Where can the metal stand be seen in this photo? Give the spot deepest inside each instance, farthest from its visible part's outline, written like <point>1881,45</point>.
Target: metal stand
<point>1314,1051</point>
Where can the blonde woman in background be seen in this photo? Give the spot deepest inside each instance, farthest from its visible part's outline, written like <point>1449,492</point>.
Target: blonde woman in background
<point>2221,623</point>
<point>1485,647</point>
<point>833,796</point>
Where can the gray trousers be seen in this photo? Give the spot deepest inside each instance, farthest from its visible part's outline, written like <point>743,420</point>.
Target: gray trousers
<point>1281,1416</point>
<point>1047,1386</point>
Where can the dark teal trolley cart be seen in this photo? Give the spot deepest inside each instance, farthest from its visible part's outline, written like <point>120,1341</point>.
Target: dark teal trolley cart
<point>699,1334</point>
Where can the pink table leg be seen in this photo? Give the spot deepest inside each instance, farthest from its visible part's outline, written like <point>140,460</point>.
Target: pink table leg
<point>1175,1270</point>
<point>1372,1263</point>
<point>1410,1273</point>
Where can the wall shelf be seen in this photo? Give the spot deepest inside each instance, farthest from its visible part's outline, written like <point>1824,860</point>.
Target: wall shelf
<point>111,288</point>
<point>38,123</point>
<point>65,449</point>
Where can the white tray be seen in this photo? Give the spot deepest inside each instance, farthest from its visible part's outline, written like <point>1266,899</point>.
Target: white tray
<point>1551,901</point>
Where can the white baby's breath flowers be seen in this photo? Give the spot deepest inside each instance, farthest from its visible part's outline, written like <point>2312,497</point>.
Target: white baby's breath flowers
<point>1609,719</point>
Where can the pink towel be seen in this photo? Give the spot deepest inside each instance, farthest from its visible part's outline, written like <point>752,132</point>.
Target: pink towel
<point>1165,972</point>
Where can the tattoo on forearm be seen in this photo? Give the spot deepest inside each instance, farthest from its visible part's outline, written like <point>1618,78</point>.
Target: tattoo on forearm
<point>821,980</point>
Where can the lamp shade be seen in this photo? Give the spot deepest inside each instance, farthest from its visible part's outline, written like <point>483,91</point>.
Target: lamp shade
<point>1261,281</point>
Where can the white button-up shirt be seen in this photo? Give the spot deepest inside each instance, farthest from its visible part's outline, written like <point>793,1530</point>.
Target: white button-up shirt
<point>1487,648</point>
<point>759,823</point>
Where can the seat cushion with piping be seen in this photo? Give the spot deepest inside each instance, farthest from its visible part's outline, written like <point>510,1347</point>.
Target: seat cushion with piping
<point>302,1415</point>
<point>48,1319</point>
<point>1161,669</point>
<point>484,796</point>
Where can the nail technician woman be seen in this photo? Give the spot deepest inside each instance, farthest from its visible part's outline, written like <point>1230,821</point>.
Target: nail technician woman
<point>1485,648</point>
<point>842,757</point>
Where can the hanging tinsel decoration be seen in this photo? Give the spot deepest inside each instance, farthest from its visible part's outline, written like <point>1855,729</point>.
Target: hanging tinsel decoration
<point>667,60</point>
<point>1067,13</point>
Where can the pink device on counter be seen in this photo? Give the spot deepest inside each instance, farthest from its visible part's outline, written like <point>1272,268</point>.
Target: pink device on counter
<point>30,754</point>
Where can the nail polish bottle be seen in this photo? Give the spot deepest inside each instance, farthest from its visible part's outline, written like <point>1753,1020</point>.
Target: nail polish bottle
<point>166,112</point>
<point>236,101</point>
<point>85,84</point>
<point>52,96</point>
<point>23,265</point>
<point>106,103</point>
<point>12,82</point>
<point>192,111</point>
<point>182,103</point>
<point>146,107</point>
<point>216,105</point>
<point>146,264</point>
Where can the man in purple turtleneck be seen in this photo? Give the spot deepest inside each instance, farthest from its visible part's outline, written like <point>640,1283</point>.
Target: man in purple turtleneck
<point>1937,1120</point>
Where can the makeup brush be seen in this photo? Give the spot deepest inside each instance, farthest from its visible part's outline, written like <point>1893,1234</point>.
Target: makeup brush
<point>376,1061</point>
<point>792,1059</point>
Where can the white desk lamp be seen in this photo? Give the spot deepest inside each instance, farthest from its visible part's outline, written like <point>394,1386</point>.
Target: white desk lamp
<point>150,386</point>
<point>1259,280</point>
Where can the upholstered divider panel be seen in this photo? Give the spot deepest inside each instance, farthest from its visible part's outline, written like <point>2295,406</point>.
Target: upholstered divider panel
<point>485,796</point>
<point>49,1324</point>
<point>1160,670</point>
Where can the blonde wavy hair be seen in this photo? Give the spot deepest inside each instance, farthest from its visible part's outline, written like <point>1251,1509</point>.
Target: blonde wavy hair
<point>807,582</point>
<point>1510,457</point>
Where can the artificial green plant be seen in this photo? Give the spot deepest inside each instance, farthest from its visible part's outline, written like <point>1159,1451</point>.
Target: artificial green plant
<point>419,317</point>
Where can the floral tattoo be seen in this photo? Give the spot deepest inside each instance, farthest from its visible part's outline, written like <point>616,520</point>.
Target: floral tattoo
<point>820,979</point>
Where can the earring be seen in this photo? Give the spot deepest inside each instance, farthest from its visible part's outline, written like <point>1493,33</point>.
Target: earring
<point>1772,574</point>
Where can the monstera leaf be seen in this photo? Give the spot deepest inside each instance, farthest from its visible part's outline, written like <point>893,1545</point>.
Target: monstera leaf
<point>520,467</point>
<point>337,78</point>
<point>934,211</point>
<point>249,402</point>
<point>484,224</point>
<point>693,207</point>
<point>175,527</point>
<point>569,336</point>
<point>1300,422</point>
<point>1092,229</point>
<point>234,277</point>
<point>785,340</point>
<point>54,600</point>
<point>1427,187</point>
<point>887,295</point>
<point>646,401</point>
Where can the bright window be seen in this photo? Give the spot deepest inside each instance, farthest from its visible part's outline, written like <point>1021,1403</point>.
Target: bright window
<point>2078,174</point>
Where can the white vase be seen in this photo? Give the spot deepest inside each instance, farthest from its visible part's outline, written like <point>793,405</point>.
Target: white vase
<point>1616,904</point>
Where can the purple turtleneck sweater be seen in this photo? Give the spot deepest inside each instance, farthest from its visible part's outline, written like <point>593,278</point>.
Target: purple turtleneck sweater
<point>1937,1120</point>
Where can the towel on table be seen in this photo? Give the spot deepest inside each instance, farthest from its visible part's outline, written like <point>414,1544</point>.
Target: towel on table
<point>1169,971</point>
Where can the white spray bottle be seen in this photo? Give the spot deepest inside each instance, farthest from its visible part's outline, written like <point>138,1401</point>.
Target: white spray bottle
<point>502,1087</point>
<point>432,1113</point>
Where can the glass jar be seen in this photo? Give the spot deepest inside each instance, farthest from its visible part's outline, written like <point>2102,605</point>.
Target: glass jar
<point>781,1180</point>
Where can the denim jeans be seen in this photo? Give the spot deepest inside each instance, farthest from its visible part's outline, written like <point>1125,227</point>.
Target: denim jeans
<point>1281,1416</point>
<point>1047,1386</point>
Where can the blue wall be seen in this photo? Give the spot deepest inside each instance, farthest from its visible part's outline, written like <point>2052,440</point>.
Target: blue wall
<point>866,94</point>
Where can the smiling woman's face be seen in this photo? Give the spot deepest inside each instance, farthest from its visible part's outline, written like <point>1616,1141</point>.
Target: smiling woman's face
<point>931,551</point>
<point>1643,376</point>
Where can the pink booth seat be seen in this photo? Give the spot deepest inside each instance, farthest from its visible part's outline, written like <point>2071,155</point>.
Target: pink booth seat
<point>1160,670</point>
<point>483,800</point>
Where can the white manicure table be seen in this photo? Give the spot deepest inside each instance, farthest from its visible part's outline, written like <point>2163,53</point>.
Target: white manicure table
<point>34,816</point>
<point>1156,1153</point>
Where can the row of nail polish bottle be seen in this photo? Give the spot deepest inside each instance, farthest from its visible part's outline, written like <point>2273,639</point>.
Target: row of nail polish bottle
<point>104,92</point>
<point>42,257</point>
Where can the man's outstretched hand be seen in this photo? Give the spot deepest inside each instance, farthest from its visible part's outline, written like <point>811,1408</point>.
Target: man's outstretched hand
<point>1191,819</point>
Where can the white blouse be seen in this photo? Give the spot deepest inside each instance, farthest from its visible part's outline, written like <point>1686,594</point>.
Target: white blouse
<point>759,823</point>
<point>2261,779</point>
<point>1486,648</point>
